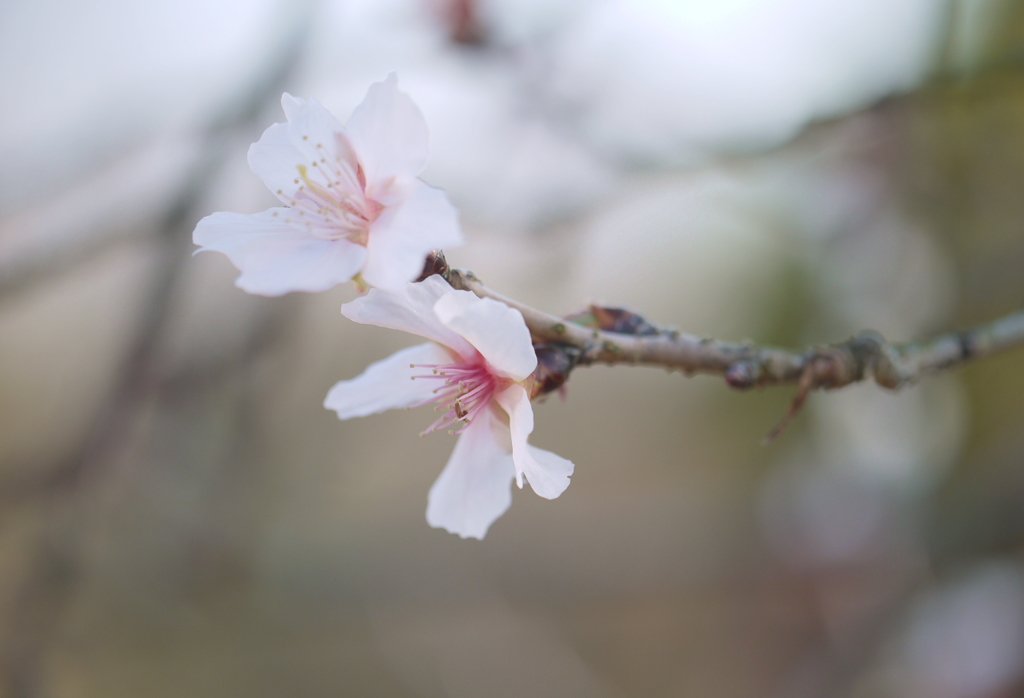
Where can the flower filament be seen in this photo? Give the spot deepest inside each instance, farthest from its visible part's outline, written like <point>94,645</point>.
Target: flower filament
<point>466,391</point>
<point>337,209</point>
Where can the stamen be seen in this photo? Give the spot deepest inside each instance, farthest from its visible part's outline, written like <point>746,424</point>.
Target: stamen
<point>465,391</point>
<point>339,208</point>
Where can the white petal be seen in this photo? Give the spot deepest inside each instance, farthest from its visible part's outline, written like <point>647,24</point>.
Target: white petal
<point>276,256</point>
<point>496,330</point>
<point>294,107</point>
<point>389,134</point>
<point>387,384</point>
<point>551,472</point>
<point>547,473</point>
<point>410,309</point>
<point>312,141</point>
<point>475,487</point>
<point>403,236</point>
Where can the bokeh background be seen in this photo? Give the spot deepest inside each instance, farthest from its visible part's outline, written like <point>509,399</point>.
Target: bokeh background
<point>179,516</point>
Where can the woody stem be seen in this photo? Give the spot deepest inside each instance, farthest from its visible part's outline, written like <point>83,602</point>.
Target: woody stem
<point>745,365</point>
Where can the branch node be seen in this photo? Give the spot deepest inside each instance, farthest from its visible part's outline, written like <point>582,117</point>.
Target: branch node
<point>743,375</point>
<point>884,361</point>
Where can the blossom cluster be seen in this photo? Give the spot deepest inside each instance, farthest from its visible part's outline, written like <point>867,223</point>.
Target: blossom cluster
<point>356,210</point>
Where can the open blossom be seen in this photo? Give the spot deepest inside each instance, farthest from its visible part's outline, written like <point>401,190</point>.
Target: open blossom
<point>473,371</point>
<point>354,204</point>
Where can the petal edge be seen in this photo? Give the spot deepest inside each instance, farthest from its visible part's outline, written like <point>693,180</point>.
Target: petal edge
<point>386,384</point>
<point>547,473</point>
<point>475,487</point>
<point>275,257</point>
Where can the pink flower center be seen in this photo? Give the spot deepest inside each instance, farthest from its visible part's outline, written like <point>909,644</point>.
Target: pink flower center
<point>333,206</point>
<point>465,392</point>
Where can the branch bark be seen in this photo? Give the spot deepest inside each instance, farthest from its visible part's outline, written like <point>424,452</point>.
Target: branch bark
<point>745,365</point>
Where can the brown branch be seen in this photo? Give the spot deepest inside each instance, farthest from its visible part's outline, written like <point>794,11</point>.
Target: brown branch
<point>745,365</point>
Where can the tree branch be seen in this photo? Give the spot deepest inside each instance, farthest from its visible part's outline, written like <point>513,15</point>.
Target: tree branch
<point>745,365</point>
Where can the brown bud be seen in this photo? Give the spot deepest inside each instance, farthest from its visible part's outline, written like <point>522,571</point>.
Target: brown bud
<point>435,263</point>
<point>742,375</point>
<point>614,320</point>
<point>554,363</point>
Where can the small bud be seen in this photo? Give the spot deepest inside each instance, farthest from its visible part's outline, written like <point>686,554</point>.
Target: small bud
<point>742,375</point>
<point>554,363</point>
<point>617,320</point>
<point>435,263</point>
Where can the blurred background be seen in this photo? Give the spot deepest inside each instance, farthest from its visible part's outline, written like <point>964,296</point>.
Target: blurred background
<point>179,516</point>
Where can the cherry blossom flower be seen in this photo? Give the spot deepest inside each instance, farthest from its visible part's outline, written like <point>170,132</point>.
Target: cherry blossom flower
<point>354,205</point>
<point>473,371</point>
